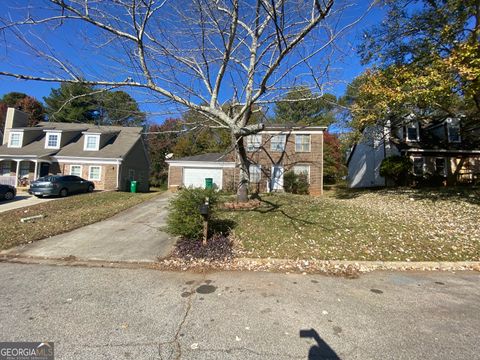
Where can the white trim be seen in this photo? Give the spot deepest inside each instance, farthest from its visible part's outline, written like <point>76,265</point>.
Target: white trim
<point>47,138</point>
<point>74,160</point>
<point>415,125</point>
<point>442,151</point>
<point>90,135</point>
<point>201,164</point>
<point>20,140</point>
<point>81,169</point>
<point>99,173</point>
<point>293,132</point>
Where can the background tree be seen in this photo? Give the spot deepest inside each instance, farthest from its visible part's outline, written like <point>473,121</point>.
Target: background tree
<point>300,106</point>
<point>431,39</point>
<point>83,103</point>
<point>333,159</point>
<point>24,102</point>
<point>197,54</point>
<point>10,99</point>
<point>161,139</point>
<point>3,113</point>
<point>71,102</point>
<point>119,108</point>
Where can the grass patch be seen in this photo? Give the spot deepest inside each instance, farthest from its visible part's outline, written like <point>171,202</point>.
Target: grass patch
<point>64,215</point>
<point>389,225</point>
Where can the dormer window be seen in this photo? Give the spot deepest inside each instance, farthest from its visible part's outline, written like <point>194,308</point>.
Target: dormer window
<point>413,133</point>
<point>92,142</point>
<point>52,141</point>
<point>453,130</point>
<point>15,140</point>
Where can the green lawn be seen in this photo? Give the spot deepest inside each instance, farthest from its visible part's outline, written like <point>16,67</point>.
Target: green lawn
<point>63,215</point>
<point>409,225</point>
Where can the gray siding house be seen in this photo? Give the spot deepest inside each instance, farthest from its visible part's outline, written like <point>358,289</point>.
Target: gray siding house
<point>110,156</point>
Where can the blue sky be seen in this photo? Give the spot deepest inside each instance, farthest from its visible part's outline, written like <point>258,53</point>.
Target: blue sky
<point>346,67</point>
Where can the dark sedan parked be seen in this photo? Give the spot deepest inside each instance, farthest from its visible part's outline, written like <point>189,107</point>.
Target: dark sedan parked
<point>60,185</point>
<point>7,192</point>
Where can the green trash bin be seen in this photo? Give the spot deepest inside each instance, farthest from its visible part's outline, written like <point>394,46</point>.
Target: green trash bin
<point>208,183</point>
<point>133,186</point>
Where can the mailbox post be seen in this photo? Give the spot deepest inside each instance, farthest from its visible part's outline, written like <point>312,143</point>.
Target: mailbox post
<point>205,212</point>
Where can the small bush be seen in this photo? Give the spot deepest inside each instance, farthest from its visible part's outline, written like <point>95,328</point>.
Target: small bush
<point>295,183</point>
<point>184,218</point>
<point>396,168</point>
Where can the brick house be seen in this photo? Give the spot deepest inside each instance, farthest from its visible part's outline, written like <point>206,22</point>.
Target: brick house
<point>272,152</point>
<point>110,156</point>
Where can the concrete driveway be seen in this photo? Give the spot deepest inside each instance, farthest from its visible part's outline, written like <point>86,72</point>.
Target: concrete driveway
<point>22,200</point>
<point>133,235</point>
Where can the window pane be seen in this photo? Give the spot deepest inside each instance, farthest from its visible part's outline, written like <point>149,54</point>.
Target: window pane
<point>418,166</point>
<point>91,142</point>
<point>453,133</point>
<point>302,169</point>
<point>94,173</point>
<point>76,170</point>
<point>254,142</point>
<point>255,173</point>
<point>5,168</point>
<point>278,143</point>
<point>440,166</point>
<point>52,140</point>
<point>14,139</point>
<point>412,133</point>
<point>302,143</point>
<point>24,169</point>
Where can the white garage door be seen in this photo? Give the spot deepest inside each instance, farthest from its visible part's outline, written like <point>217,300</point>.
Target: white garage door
<point>195,177</point>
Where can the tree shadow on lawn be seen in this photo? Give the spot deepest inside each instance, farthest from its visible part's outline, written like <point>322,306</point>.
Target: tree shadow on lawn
<point>272,207</point>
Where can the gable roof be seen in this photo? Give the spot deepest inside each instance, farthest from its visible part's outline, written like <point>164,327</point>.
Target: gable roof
<point>121,141</point>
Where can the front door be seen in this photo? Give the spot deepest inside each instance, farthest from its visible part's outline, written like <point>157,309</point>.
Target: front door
<point>276,181</point>
<point>44,169</point>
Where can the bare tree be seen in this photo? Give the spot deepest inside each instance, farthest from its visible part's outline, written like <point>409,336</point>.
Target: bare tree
<point>197,54</point>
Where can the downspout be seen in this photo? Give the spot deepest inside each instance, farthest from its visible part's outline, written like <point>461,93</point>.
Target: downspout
<point>118,174</point>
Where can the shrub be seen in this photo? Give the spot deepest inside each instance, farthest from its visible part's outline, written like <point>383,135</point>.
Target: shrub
<point>396,168</point>
<point>295,183</point>
<point>184,217</point>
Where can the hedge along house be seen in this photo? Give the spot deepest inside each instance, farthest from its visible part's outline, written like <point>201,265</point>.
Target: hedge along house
<point>110,156</point>
<point>272,152</point>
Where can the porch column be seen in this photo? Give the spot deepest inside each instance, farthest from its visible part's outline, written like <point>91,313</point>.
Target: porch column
<point>35,172</point>
<point>18,171</point>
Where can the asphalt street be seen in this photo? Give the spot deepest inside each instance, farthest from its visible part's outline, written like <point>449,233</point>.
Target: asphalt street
<point>105,313</point>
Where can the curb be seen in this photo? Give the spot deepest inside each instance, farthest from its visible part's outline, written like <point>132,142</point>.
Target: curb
<point>331,267</point>
<point>366,266</point>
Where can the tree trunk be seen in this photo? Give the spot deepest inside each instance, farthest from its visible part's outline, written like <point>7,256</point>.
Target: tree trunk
<point>242,189</point>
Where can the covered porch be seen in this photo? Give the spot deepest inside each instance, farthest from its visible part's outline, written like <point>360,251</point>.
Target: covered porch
<point>20,171</point>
